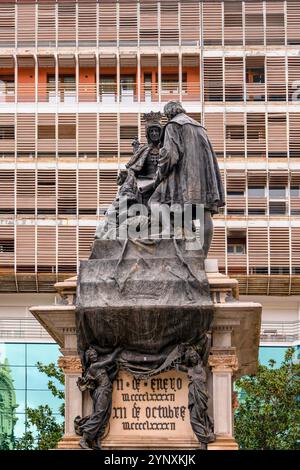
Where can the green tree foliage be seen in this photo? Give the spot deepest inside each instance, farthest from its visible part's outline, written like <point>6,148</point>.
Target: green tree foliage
<point>268,417</point>
<point>43,430</point>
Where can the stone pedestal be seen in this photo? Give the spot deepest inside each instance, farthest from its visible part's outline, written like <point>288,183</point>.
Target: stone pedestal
<point>235,342</point>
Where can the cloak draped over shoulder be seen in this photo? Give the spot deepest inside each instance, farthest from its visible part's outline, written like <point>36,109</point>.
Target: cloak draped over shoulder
<point>188,171</point>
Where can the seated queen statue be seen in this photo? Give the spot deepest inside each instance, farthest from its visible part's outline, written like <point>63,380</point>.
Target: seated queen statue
<point>137,182</point>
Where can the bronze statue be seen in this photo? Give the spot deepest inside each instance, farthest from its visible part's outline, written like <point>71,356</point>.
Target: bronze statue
<point>136,182</point>
<point>97,381</point>
<point>201,422</point>
<point>188,172</point>
<point>137,302</point>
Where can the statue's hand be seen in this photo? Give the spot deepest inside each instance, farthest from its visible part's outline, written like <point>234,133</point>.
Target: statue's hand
<point>135,144</point>
<point>122,175</point>
<point>82,384</point>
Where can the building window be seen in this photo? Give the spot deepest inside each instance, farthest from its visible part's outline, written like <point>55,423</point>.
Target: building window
<point>277,193</point>
<point>235,132</point>
<point>66,131</point>
<point>235,193</point>
<point>7,132</point>
<point>295,191</point>
<point>128,132</point>
<point>7,246</point>
<point>277,208</point>
<point>46,132</point>
<point>256,191</point>
<point>255,69</point>
<point>236,243</point>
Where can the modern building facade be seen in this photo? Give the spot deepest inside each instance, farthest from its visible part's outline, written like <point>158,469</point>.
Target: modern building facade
<point>75,80</point>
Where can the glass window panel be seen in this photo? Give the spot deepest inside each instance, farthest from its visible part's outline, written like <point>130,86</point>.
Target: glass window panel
<point>36,398</point>
<point>277,193</point>
<point>267,353</point>
<point>19,428</point>
<point>20,401</point>
<point>295,191</point>
<point>38,380</point>
<point>44,353</point>
<point>14,352</point>
<point>17,373</point>
<point>256,192</point>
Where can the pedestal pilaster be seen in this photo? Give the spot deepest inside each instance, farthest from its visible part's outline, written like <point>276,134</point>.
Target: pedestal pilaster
<point>223,367</point>
<point>71,366</point>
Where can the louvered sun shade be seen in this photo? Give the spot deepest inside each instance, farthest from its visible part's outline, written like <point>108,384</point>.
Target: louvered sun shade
<point>293,78</point>
<point>85,235</point>
<point>7,248</point>
<point>276,78</point>
<point>87,134</point>
<point>128,23</point>
<point>128,131</point>
<point>7,192</point>
<point>67,192</point>
<point>46,24</point>
<point>275,23</point>
<point>67,249</point>
<point>148,32</point>
<point>107,23</point>
<point>233,23</point>
<point>293,21</point>
<point>7,127</point>
<point>169,24</point>
<point>234,79</point>
<point>87,24</point>
<point>88,192</point>
<point>213,79</point>
<point>212,23</point>
<point>214,123</point>
<point>66,23</point>
<point>294,135</point>
<point>236,186</point>
<point>254,24</point>
<point>108,188</point>
<point>46,134</point>
<point>277,135</point>
<point>190,23</point>
<point>7,24</point>
<point>66,133</point>
<point>295,193</point>
<point>256,135</point>
<point>26,134</point>
<point>257,197</point>
<point>26,186</point>
<point>26,24</point>
<point>235,134</point>
<point>108,136</point>
<point>46,192</point>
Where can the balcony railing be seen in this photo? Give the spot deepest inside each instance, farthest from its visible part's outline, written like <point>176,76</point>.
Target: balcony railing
<point>149,92</point>
<point>272,332</point>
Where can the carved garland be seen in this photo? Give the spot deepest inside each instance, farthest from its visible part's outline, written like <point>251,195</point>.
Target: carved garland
<point>70,364</point>
<point>224,362</point>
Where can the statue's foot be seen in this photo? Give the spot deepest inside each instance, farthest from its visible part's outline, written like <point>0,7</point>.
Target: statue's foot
<point>202,446</point>
<point>84,444</point>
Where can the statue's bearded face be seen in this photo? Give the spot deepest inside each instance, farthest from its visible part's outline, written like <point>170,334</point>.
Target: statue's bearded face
<point>154,134</point>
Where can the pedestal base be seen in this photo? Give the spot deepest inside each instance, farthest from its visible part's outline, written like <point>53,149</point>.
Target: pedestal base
<point>221,443</point>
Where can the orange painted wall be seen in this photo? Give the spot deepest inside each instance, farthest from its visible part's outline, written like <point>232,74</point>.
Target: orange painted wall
<point>87,76</point>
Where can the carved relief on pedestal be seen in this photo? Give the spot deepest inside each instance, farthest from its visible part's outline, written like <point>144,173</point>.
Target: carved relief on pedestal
<point>223,362</point>
<point>70,364</point>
